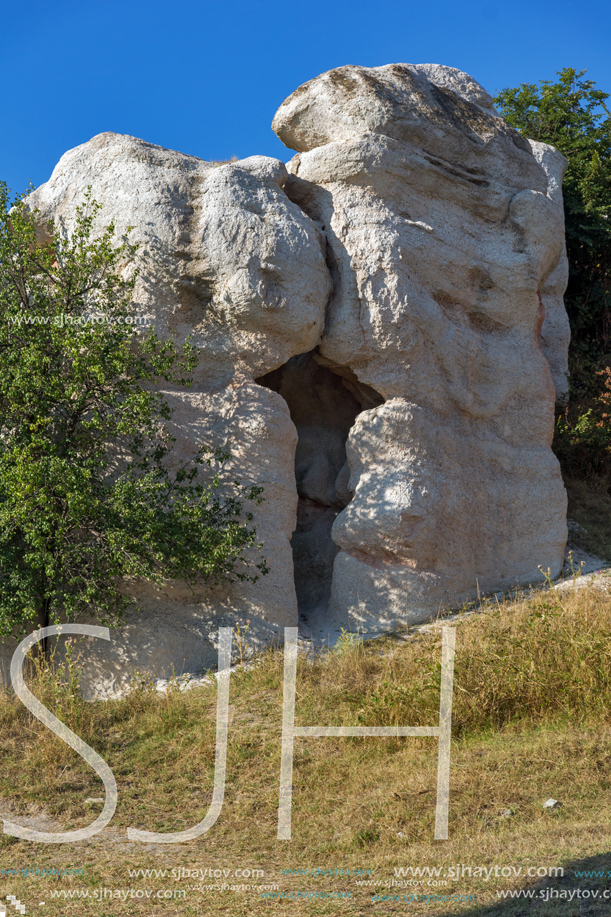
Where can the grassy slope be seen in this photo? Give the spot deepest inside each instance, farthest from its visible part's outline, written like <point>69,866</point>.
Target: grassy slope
<point>531,720</point>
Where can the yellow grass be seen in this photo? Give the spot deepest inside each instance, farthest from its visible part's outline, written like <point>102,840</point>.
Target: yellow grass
<point>531,721</point>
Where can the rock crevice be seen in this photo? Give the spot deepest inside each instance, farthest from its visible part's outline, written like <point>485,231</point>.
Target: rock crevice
<point>324,403</point>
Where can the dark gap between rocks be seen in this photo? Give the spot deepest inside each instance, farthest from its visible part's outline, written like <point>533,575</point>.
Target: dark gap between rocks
<point>324,400</point>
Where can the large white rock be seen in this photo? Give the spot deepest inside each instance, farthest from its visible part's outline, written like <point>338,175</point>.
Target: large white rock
<point>227,257</point>
<point>177,629</point>
<point>381,331</point>
<point>446,239</point>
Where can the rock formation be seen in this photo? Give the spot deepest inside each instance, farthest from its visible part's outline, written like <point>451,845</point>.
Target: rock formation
<point>445,238</point>
<point>382,338</point>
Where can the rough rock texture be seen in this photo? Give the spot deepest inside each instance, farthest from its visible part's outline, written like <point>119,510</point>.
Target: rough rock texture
<point>445,237</point>
<point>555,332</point>
<point>227,256</point>
<point>382,339</point>
<point>323,407</point>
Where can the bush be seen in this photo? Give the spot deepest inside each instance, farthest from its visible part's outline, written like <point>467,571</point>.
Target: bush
<point>87,497</point>
<point>572,115</point>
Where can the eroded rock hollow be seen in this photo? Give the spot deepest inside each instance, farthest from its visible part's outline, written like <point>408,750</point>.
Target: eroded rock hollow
<point>323,406</point>
<point>382,337</point>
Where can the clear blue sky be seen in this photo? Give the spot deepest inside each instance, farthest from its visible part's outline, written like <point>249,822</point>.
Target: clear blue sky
<point>207,77</point>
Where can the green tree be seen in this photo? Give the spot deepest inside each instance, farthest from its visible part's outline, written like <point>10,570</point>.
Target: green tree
<point>86,495</point>
<point>572,115</point>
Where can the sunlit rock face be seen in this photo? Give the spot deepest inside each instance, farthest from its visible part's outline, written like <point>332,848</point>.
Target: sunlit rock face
<point>228,258</point>
<point>382,339</point>
<point>445,240</point>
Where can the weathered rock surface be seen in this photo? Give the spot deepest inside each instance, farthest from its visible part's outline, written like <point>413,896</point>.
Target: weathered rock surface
<point>445,235</point>
<point>555,331</point>
<point>323,407</point>
<point>226,256</point>
<point>382,339</point>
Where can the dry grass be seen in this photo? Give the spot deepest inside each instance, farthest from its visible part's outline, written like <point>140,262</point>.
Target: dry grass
<point>531,720</point>
<point>222,162</point>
